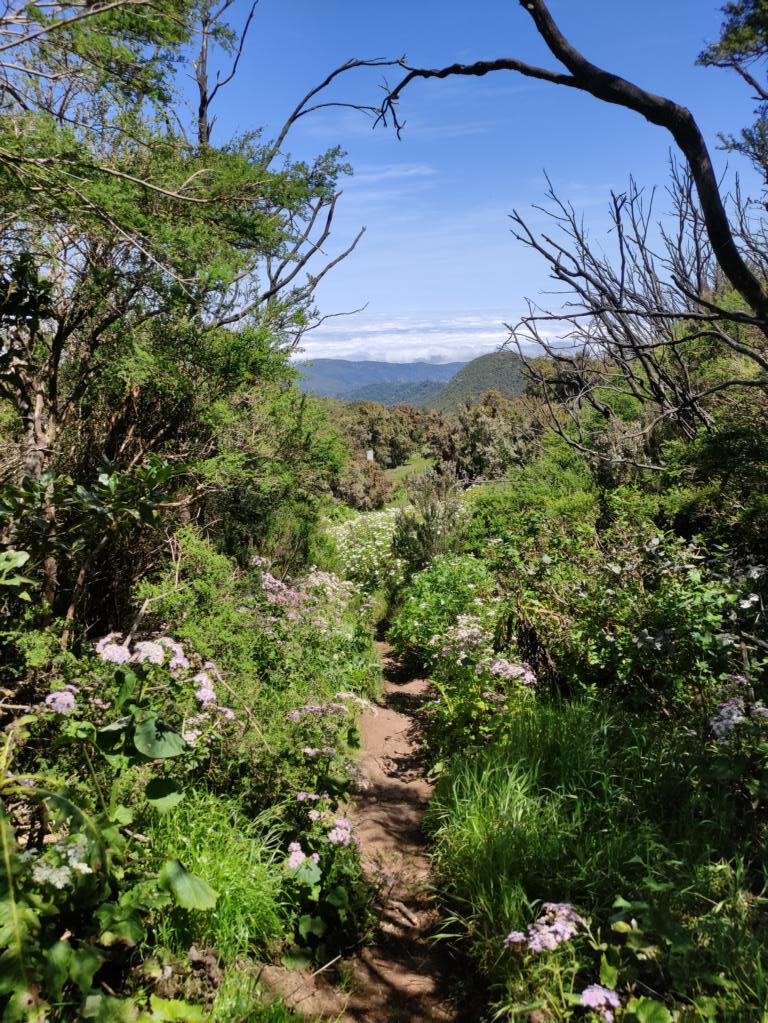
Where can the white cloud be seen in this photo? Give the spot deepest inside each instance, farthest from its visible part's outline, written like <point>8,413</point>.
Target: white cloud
<point>440,337</point>
<point>392,172</point>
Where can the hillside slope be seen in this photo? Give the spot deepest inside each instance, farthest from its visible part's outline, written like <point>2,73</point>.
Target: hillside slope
<point>418,393</point>
<point>497,371</point>
<point>340,378</point>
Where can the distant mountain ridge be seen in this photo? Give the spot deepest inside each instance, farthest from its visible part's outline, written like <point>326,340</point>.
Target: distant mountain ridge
<point>418,393</point>
<point>344,378</point>
<point>497,371</point>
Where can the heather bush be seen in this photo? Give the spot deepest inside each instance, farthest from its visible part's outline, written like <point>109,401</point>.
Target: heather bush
<point>433,523</point>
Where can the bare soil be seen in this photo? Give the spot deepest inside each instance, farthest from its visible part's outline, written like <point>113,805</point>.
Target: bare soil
<point>403,976</point>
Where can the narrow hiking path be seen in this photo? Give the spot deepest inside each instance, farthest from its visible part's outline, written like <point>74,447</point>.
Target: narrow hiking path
<point>402,976</point>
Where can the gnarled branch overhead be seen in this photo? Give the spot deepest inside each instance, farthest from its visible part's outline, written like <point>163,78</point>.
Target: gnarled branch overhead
<point>612,88</point>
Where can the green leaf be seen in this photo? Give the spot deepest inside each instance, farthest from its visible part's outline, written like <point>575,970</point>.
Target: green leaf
<point>171,1010</point>
<point>157,740</point>
<point>189,890</point>
<point>127,689</point>
<point>122,815</point>
<point>83,965</point>
<point>609,975</point>
<point>297,959</point>
<point>120,925</point>
<point>311,925</point>
<point>338,897</point>
<point>163,794</point>
<point>103,1009</point>
<point>308,873</point>
<point>57,962</point>
<point>648,1010</point>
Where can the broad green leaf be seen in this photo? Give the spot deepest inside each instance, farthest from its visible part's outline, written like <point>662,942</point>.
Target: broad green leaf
<point>311,925</point>
<point>83,965</point>
<point>122,815</point>
<point>297,959</point>
<point>309,873</point>
<point>609,974</point>
<point>648,1010</point>
<point>171,1010</point>
<point>127,688</point>
<point>163,794</point>
<point>189,890</point>
<point>120,925</point>
<point>338,897</point>
<point>57,962</point>
<point>103,1009</point>
<point>157,740</point>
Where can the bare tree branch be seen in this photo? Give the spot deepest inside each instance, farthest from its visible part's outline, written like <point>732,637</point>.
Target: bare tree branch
<point>658,110</point>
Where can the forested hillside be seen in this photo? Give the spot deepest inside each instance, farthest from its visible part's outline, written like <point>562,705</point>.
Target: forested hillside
<point>476,730</point>
<point>497,371</point>
<point>343,378</point>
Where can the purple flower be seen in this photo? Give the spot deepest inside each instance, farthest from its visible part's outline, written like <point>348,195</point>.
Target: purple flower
<point>602,999</point>
<point>317,815</point>
<point>115,653</point>
<point>557,924</point>
<point>227,713</point>
<point>307,797</point>
<point>294,715</point>
<point>179,659</point>
<point>296,856</point>
<point>502,668</point>
<point>146,650</point>
<point>205,694</point>
<point>106,640</point>
<point>341,832</point>
<point>62,701</point>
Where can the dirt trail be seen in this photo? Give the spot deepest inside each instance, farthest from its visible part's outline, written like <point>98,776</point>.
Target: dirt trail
<point>402,977</point>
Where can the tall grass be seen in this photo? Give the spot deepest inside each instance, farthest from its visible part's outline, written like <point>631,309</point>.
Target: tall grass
<point>239,1000</point>
<point>583,805</point>
<point>238,856</point>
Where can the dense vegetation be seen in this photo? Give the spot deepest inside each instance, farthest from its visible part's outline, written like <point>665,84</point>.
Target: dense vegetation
<point>193,555</point>
<point>346,378</point>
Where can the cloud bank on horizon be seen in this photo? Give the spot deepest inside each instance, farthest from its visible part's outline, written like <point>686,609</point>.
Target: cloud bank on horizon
<point>408,337</point>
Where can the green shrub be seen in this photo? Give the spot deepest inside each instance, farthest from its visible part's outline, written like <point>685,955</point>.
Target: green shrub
<point>555,492</point>
<point>432,602</point>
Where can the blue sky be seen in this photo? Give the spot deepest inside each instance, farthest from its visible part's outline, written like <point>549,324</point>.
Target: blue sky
<point>438,267</point>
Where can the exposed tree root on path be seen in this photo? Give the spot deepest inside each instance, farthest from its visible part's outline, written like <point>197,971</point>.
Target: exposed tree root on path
<point>402,977</point>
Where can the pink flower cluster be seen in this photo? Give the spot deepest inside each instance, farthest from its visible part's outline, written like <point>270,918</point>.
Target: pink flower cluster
<point>115,650</point>
<point>278,592</point>
<point>341,832</point>
<point>62,701</point>
<point>502,668</point>
<point>316,710</point>
<point>602,999</point>
<point>296,856</point>
<point>558,923</point>
<point>468,639</point>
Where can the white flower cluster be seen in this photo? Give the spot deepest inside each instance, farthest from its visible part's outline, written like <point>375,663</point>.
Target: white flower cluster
<point>364,545</point>
<point>69,860</point>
